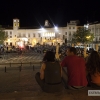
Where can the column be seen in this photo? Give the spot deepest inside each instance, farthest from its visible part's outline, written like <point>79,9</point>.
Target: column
<point>97,47</point>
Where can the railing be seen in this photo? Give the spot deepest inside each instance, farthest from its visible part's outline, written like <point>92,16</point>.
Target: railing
<point>5,66</point>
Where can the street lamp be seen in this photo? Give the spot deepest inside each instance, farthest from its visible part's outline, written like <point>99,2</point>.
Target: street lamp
<point>88,37</point>
<point>56,28</point>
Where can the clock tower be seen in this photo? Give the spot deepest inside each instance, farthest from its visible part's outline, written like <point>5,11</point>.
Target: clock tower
<point>15,24</point>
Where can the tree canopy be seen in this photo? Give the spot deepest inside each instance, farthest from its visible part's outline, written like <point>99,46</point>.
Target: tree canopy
<point>3,35</point>
<point>82,35</point>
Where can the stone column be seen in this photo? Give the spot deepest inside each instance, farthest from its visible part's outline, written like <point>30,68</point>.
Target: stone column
<point>97,47</point>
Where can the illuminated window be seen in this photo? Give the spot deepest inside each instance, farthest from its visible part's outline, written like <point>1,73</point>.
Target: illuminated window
<point>18,24</point>
<point>14,24</point>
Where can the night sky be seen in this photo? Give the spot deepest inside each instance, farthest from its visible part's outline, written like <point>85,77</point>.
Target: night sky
<point>35,12</point>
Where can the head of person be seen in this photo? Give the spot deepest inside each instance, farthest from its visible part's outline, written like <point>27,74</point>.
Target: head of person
<point>93,63</point>
<point>71,51</point>
<point>49,56</point>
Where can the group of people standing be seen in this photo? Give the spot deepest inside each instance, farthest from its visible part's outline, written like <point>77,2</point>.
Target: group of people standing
<point>73,72</point>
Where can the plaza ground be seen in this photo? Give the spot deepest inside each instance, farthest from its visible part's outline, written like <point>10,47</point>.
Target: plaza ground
<point>16,84</point>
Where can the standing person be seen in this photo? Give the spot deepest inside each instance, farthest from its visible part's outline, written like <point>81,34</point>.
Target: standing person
<point>93,69</point>
<point>76,70</point>
<point>49,77</point>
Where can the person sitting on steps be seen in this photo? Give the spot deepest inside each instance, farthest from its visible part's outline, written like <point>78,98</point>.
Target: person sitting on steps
<point>49,77</point>
<point>74,76</point>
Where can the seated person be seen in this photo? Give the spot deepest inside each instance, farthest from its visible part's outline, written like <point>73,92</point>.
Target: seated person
<point>76,70</point>
<point>93,69</point>
<point>49,77</point>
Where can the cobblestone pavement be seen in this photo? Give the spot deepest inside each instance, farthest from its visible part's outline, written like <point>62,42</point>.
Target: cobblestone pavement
<point>21,85</point>
<point>18,84</point>
<point>14,57</point>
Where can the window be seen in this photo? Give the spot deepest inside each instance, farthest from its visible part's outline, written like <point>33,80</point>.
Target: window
<point>19,34</point>
<point>6,33</point>
<point>63,36</point>
<point>65,33</point>
<point>6,43</point>
<point>10,36</point>
<point>69,27</point>
<point>39,34</point>
<point>14,20</point>
<point>28,35</point>
<point>92,29</point>
<point>73,27</point>
<point>99,38</point>
<point>24,35</point>
<point>10,33</point>
<point>74,32</point>
<point>33,34</point>
<point>15,25</point>
<point>69,33</point>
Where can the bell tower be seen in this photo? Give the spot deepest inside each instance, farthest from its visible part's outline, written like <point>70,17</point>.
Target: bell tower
<point>46,23</point>
<point>16,24</point>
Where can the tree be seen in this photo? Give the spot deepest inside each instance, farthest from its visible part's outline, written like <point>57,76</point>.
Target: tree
<point>82,35</point>
<point>3,35</point>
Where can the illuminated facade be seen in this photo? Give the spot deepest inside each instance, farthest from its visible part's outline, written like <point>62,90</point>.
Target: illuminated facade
<point>95,29</point>
<point>20,36</point>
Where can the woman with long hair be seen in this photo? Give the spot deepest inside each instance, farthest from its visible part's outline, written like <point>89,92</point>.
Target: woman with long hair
<point>93,69</point>
<point>49,77</point>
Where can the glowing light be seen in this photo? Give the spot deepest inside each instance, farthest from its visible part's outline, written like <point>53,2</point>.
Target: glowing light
<point>21,44</point>
<point>88,37</point>
<point>8,40</point>
<point>14,20</point>
<point>56,28</point>
<point>24,39</point>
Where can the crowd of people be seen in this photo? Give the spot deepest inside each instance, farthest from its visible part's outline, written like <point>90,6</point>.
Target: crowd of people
<point>72,72</point>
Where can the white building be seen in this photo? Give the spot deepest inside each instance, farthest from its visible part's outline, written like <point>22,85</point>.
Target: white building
<point>47,35</point>
<point>95,29</point>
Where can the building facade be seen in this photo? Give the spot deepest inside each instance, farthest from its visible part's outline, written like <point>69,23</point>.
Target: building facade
<point>48,35</point>
<point>95,29</point>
